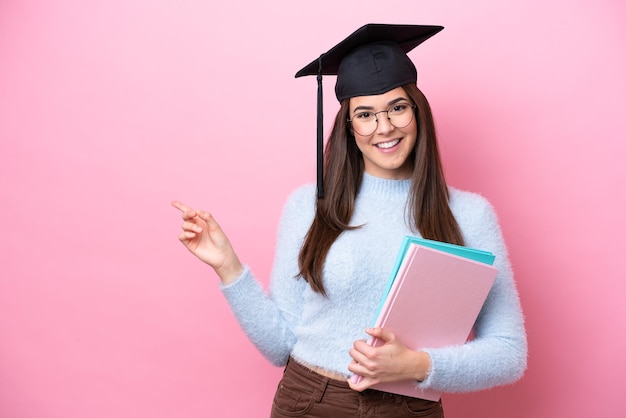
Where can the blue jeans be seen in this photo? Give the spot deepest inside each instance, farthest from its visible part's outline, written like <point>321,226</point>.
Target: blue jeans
<point>304,393</point>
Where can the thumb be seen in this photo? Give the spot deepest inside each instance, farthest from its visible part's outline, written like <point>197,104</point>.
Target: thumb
<point>381,333</point>
<point>208,218</point>
<point>212,224</point>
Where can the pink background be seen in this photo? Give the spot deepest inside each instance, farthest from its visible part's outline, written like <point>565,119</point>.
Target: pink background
<point>109,110</point>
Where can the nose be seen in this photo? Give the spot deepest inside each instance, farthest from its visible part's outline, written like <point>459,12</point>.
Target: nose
<point>383,124</point>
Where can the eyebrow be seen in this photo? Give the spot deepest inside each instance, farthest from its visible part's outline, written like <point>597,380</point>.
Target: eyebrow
<point>391,103</point>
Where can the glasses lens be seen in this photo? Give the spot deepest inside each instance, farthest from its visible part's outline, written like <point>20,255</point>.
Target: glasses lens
<point>401,114</point>
<point>364,123</point>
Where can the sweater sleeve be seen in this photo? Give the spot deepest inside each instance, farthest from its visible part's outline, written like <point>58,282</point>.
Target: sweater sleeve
<point>268,318</point>
<point>497,355</point>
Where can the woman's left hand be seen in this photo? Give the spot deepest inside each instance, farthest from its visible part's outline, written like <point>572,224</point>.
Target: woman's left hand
<point>392,361</point>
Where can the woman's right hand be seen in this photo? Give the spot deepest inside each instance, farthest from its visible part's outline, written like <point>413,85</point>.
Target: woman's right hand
<point>204,238</point>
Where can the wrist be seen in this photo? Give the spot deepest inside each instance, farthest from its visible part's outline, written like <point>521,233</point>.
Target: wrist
<point>230,271</point>
<point>424,366</point>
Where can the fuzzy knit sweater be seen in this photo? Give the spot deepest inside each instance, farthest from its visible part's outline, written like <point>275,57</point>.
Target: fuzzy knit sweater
<point>292,320</point>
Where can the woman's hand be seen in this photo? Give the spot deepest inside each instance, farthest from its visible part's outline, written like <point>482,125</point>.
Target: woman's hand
<point>390,362</point>
<point>206,240</point>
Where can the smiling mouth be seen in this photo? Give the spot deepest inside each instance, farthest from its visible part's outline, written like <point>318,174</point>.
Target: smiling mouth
<point>387,145</point>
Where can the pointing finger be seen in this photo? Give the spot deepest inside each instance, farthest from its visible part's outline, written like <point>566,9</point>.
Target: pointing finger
<point>180,206</point>
<point>188,213</point>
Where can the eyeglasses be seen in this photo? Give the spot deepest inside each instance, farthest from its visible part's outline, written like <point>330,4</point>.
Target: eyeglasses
<point>399,115</point>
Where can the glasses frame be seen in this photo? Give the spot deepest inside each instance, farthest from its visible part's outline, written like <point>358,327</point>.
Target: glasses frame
<point>413,107</point>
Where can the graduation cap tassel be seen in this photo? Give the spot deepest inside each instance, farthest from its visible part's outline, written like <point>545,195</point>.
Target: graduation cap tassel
<point>320,133</point>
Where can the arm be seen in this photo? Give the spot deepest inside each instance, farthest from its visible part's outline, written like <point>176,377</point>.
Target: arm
<point>496,356</point>
<point>266,318</point>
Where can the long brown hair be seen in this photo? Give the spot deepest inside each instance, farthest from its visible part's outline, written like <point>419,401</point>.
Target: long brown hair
<point>427,208</point>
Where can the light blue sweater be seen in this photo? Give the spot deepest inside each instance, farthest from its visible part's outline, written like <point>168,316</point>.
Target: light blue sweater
<point>293,320</point>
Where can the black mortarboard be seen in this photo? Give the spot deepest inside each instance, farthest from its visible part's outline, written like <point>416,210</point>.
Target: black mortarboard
<point>372,60</point>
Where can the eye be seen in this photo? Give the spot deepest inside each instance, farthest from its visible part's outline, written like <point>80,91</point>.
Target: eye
<point>364,116</point>
<point>399,108</point>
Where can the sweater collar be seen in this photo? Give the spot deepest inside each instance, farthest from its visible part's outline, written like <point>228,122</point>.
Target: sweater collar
<point>386,188</point>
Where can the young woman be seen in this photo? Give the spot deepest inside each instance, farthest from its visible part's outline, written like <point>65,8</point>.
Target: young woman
<point>382,180</point>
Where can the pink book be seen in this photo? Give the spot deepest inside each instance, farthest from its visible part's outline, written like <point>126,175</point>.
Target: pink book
<point>433,302</point>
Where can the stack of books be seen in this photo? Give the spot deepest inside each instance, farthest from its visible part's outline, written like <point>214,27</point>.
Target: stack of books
<point>435,293</point>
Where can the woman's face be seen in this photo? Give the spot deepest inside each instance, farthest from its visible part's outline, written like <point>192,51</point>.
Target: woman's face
<point>387,148</point>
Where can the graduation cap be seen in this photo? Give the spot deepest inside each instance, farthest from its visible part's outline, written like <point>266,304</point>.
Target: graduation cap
<point>372,60</point>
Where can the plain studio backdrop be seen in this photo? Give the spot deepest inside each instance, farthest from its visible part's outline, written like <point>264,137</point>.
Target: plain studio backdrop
<point>110,110</point>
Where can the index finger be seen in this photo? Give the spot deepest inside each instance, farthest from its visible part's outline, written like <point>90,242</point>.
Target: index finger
<point>180,206</point>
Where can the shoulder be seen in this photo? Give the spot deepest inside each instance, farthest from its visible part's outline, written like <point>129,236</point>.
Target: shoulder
<point>476,217</point>
<point>299,208</point>
<point>468,204</point>
<point>301,199</point>
<point>304,195</point>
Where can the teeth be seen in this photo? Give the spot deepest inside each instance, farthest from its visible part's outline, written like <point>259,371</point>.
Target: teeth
<point>389,144</point>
